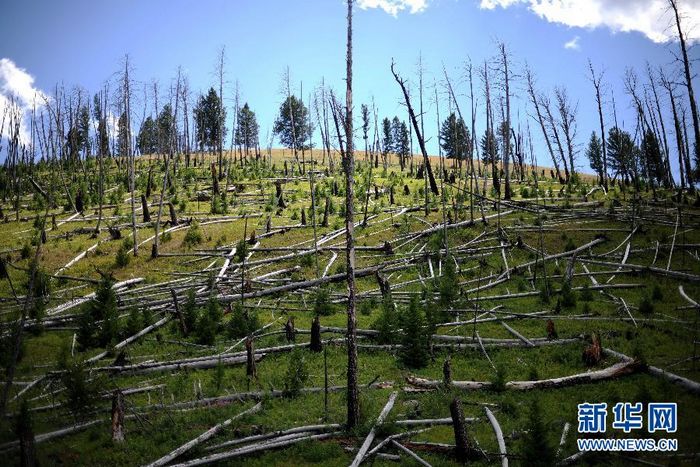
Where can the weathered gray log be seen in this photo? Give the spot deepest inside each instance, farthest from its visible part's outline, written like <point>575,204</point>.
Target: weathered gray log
<point>619,369</point>
<point>410,453</point>
<point>252,449</point>
<point>203,437</point>
<point>372,433</point>
<point>499,436</point>
<point>275,434</point>
<point>690,385</point>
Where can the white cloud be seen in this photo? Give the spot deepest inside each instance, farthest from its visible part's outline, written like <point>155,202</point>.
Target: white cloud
<point>393,7</point>
<point>573,44</point>
<point>649,17</point>
<point>17,88</point>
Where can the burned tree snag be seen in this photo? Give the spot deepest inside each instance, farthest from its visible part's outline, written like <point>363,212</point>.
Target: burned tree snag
<point>316,345</point>
<point>173,214</point>
<point>25,433</point>
<point>593,353</point>
<point>144,208</point>
<point>303,216</point>
<point>279,196</point>
<point>419,134</point>
<point>460,430</point>
<point>353,402</point>
<point>289,330</point>
<point>118,416</point>
<point>214,179</point>
<point>447,372</point>
<point>551,331</point>
<point>384,286</point>
<point>326,212</point>
<point>178,312</point>
<point>250,370</point>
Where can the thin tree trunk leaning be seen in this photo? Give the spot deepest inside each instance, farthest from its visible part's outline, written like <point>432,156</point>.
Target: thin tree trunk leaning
<point>499,436</point>
<point>410,453</point>
<point>203,437</point>
<point>131,339</point>
<point>372,433</point>
<point>419,135</point>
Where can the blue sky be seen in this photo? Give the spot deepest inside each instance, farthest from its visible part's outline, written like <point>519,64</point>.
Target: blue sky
<point>83,43</point>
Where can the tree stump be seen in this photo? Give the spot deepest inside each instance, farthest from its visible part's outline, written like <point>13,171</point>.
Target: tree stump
<point>551,331</point>
<point>144,208</point>
<point>268,224</point>
<point>384,286</point>
<point>118,416</point>
<point>593,353</point>
<point>173,214</point>
<point>460,429</point>
<point>391,195</point>
<point>316,345</point>
<point>289,330</point>
<point>279,195</point>
<point>114,233</point>
<point>447,372</point>
<point>303,216</point>
<point>406,191</point>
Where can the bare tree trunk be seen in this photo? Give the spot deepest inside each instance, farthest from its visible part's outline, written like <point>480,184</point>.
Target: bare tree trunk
<point>536,102</point>
<point>460,430</point>
<point>144,209</point>
<point>676,124</point>
<point>129,152</point>
<point>419,135</point>
<point>688,83</point>
<point>316,344</point>
<point>118,416</point>
<point>250,370</point>
<point>597,85</point>
<point>506,130</point>
<point>353,407</point>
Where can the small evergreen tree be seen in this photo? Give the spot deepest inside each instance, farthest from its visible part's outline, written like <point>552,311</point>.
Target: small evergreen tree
<point>297,374</point>
<point>537,450</point>
<point>415,352</point>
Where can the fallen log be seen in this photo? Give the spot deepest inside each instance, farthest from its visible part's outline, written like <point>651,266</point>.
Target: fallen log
<point>372,433</point>
<point>690,385</point>
<point>611,372</point>
<point>499,436</point>
<point>203,437</point>
<point>252,449</point>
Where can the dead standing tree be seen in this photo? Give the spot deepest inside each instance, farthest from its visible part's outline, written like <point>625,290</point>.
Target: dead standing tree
<point>597,80</point>
<point>503,56</point>
<point>353,415</point>
<point>535,98</point>
<point>419,134</point>
<point>688,79</point>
